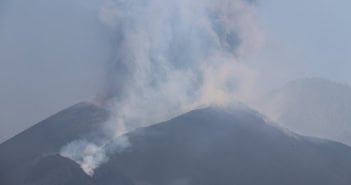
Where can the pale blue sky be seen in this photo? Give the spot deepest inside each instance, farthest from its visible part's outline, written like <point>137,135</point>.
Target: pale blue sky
<point>308,38</point>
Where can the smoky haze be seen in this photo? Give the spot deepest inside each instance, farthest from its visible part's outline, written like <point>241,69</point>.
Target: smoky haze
<point>177,55</point>
<point>171,57</point>
<point>144,60</point>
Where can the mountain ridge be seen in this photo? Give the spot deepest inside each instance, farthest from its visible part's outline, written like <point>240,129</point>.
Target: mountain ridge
<point>315,107</point>
<point>191,147</point>
<point>47,137</point>
<point>215,145</point>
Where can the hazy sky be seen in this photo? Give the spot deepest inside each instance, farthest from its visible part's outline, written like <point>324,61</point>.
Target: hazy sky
<point>307,38</point>
<point>50,55</point>
<point>51,52</point>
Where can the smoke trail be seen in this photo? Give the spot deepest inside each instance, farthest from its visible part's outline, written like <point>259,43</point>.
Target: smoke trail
<point>172,56</point>
<point>176,55</point>
<point>90,155</point>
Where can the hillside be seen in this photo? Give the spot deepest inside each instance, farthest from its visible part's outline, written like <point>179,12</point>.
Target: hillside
<point>215,145</point>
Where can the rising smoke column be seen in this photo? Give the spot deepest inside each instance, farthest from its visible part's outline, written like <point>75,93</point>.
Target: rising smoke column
<point>176,55</point>
<point>172,56</point>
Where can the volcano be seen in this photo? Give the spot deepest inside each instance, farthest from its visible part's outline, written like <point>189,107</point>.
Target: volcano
<point>215,145</point>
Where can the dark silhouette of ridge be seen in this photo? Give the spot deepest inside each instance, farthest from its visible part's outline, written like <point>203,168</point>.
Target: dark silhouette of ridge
<point>215,145</point>
<point>226,146</point>
<point>57,170</point>
<point>18,154</point>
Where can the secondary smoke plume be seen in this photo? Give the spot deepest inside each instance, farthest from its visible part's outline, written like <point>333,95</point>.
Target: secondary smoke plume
<point>172,56</point>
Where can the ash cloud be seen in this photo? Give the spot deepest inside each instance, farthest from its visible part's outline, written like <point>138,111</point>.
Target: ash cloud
<point>172,56</point>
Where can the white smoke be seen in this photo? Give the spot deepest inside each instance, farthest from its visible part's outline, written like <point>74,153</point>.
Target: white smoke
<point>172,56</point>
<point>88,155</point>
<point>175,55</point>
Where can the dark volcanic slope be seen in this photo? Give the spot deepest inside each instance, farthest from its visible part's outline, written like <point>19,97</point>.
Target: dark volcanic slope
<point>56,170</point>
<point>212,146</point>
<point>20,153</point>
<point>226,147</point>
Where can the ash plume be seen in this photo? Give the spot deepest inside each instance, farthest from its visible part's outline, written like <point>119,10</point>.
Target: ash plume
<point>172,56</point>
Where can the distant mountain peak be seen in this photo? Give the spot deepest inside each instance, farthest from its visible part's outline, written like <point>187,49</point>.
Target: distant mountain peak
<point>315,107</point>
